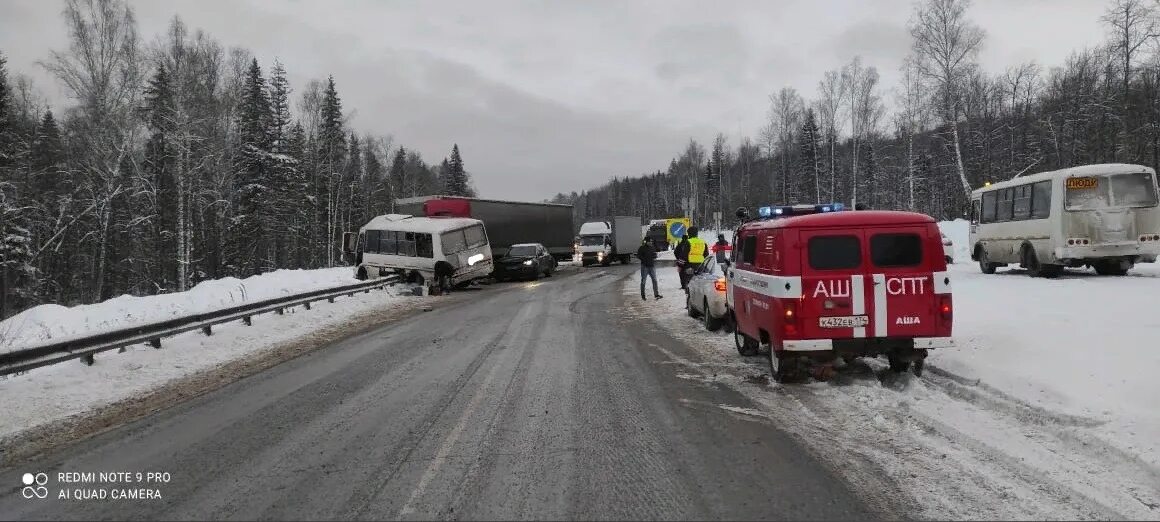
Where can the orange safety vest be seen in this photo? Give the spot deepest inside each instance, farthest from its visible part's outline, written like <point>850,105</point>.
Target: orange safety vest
<point>696,250</point>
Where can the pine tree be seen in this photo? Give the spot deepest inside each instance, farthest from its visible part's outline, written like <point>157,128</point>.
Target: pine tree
<point>377,190</point>
<point>279,95</point>
<point>252,222</point>
<point>331,152</point>
<point>299,199</point>
<point>398,175</point>
<point>47,156</point>
<point>810,160</point>
<point>355,186</point>
<point>160,155</point>
<point>455,182</point>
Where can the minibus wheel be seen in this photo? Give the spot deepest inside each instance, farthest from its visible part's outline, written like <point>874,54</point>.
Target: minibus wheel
<point>1034,268</point>
<point>362,274</point>
<point>985,265</point>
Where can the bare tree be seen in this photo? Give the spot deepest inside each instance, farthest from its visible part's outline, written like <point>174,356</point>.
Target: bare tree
<point>785,113</point>
<point>864,104</point>
<point>911,119</point>
<point>102,70</point>
<point>1132,24</point>
<point>945,45</point>
<point>831,93</point>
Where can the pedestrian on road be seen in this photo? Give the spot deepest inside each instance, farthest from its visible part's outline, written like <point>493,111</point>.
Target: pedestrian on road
<point>681,253</point>
<point>648,256</point>
<point>721,248</point>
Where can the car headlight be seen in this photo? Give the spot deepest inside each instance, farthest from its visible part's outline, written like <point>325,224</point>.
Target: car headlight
<point>528,262</point>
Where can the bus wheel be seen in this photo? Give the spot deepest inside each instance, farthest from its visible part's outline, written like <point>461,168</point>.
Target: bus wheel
<point>362,274</point>
<point>1037,269</point>
<point>985,265</point>
<point>746,345</point>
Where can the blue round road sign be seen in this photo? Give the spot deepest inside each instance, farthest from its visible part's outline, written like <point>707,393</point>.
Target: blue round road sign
<point>677,229</point>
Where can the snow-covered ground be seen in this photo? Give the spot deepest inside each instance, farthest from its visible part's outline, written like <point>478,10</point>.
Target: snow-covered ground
<point>58,391</point>
<point>50,323</point>
<point>1045,409</point>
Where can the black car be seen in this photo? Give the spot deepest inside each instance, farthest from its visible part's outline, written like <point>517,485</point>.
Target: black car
<point>525,261</point>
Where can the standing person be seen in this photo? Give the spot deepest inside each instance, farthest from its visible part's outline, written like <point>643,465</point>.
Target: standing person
<point>681,253</point>
<point>721,248</point>
<point>648,256</point>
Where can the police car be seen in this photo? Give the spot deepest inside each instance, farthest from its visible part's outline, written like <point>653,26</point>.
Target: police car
<point>817,282</point>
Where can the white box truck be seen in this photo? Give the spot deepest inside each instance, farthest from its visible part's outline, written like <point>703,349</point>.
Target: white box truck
<point>616,237</point>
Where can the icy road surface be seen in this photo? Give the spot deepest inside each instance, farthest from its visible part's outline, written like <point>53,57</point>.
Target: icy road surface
<point>546,400</point>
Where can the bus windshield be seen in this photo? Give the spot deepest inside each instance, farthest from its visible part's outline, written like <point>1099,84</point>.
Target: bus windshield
<point>1117,190</point>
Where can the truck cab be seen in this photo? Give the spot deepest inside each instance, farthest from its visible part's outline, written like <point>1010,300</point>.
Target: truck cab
<point>595,243</point>
<point>827,284</point>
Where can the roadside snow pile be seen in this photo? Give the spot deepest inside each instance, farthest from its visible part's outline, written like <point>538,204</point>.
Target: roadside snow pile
<point>959,232</point>
<point>47,323</point>
<point>69,388</point>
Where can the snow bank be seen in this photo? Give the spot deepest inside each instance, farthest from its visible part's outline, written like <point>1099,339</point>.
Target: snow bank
<point>58,391</point>
<point>47,323</point>
<point>959,232</point>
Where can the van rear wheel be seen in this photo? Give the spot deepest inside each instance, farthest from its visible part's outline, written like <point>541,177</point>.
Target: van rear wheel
<point>784,368</point>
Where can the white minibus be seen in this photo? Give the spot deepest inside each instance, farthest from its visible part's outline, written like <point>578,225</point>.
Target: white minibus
<point>439,252</point>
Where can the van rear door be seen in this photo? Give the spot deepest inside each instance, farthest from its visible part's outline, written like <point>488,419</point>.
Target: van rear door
<point>834,283</point>
<point>902,264</point>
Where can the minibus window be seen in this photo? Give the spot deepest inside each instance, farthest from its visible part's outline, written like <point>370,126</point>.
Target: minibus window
<point>895,250</point>
<point>1006,197</point>
<point>453,242</point>
<point>989,200</point>
<point>387,242</point>
<point>1041,200</point>
<point>475,236</point>
<point>975,211</point>
<point>372,241</point>
<point>1022,202</point>
<point>423,246</point>
<point>835,252</point>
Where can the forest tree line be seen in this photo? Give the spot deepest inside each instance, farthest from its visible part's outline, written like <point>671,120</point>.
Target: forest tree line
<point>954,128</point>
<point>180,160</point>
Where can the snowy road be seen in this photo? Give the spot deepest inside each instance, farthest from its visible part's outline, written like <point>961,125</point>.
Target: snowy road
<point>547,400</point>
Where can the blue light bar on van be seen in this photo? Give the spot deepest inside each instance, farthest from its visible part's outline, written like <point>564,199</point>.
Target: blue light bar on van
<point>798,210</point>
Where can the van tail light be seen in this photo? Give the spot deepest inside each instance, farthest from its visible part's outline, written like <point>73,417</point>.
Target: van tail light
<point>790,322</point>
<point>719,284</point>
<point>946,311</point>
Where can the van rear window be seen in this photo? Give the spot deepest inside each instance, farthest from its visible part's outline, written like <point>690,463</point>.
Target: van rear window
<point>889,250</point>
<point>835,252</point>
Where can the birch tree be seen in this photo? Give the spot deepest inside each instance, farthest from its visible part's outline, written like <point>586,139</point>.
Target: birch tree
<point>945,45</point>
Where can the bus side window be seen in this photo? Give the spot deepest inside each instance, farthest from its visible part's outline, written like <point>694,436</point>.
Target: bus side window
<point>975,207</point>
<point>1022,202</point>
<point>423,246</point>
<point>372,242</point>
<point>1041,200</point>
<point>989,205</point>
<point>1006,198</point>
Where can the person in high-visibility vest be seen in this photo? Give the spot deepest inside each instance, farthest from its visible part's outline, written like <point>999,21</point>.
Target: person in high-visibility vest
<point>698,250</point>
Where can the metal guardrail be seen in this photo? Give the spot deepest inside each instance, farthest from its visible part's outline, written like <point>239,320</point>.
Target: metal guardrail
<point>85,348</point>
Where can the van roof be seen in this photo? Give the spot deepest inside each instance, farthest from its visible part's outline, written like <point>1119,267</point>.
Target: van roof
<point>407,223</point>
<point>849,218</point>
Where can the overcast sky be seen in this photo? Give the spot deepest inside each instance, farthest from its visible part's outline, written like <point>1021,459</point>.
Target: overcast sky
<point>561,95</point>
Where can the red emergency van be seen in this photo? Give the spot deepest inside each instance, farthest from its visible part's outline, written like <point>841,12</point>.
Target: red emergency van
<point>820,283</point>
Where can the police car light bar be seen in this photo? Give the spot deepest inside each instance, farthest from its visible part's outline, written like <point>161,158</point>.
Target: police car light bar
<point>798,210</point>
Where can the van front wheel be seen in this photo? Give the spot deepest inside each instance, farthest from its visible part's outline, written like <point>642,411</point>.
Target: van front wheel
<point>746,345</point>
